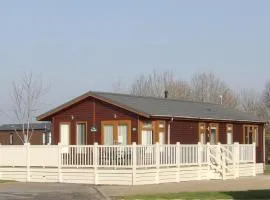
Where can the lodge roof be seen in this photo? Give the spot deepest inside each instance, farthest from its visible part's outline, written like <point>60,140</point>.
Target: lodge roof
<point>161,107</point>
<point>19,127</point>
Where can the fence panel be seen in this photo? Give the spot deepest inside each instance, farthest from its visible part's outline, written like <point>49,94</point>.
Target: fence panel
<point>145,155</point>
<point>167,155</point>
<point>246,153</point>
<point>115,156</point>
<point>76,156</point>
<point>204,154</point>
<point>13,155</point>
<point>45,156</point>
<point>189,154</point>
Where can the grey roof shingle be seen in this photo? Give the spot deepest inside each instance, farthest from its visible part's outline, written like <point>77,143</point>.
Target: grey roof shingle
<point>178,108</point>
<point>18,127</point>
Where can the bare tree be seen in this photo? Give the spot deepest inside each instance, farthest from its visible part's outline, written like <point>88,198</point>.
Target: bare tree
<point>155,83</point>
<point>266,95</point>
<point>26,96</point>
<point>119,87</point>
<point>250,101</point>
<point>207,87</point>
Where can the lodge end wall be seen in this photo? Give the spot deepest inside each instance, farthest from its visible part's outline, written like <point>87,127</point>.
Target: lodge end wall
<point>93,112</point>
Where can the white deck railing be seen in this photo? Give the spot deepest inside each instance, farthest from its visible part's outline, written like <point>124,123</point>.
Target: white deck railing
<point>121,156</point>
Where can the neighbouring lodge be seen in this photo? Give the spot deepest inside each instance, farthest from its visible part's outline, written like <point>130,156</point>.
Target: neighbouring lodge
<point>109,118</point>
<point>13,134</point>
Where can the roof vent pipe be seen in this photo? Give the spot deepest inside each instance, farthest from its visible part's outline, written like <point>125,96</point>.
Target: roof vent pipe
<point>166,94</point>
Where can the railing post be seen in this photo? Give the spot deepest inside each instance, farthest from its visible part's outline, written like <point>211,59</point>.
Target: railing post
<point>59,162</point>
<point>219,152</point>
<point>0,154</point>
<point>134,163</point>
<point>208,160</point>
<point>27,147</point>
<point>221,161</point>
<point>178,161</point>
<point>95,161</point>
<point>157,150</point>
<point>199,159</point>
<point>254,158</point>
<point>234,161</point>
<point>236,158</point>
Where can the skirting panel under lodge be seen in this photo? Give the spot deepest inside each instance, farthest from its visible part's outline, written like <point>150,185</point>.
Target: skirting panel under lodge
<point>110,176</point>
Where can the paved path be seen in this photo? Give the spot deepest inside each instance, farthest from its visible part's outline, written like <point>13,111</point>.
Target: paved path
<point>49,191</point>
<point>250,183</point>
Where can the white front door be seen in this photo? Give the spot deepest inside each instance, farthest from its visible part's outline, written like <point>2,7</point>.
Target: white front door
<point>64,134</point>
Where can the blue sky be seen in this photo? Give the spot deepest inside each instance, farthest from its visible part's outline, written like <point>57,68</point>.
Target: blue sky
<point>76,46</point>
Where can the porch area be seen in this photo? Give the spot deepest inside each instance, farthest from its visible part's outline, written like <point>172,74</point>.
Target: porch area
<point>127,164</point>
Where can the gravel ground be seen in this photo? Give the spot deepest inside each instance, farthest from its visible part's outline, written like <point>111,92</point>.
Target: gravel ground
<point>49,191</point>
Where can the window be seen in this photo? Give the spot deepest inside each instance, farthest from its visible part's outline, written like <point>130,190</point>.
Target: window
<point>46,138</point>
<point>202,133</point>
<point>147,125</point>
<point>11,138</point>
<point>160,132</point>
<point>213,133</point>
<point>116,132</point>
<point>108,134</point>
<point>81,133</point>
<point>147,133</point>
<point>250,134</point>
<point>161,138</point>
<point>43,138</point>
<point>122,131</point>
<point>256,137</point>
<point>229,134</point>
<point>147,137</point>
<point>161,124</point>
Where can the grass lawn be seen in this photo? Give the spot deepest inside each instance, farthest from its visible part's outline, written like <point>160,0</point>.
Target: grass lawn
<point>267,169</point>
<point>6,181</point>
<point>252,194</point>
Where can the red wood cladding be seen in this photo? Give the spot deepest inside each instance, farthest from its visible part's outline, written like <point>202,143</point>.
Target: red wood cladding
<point>183,131</point>
<point>186,132</point>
